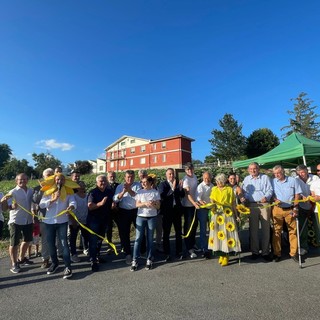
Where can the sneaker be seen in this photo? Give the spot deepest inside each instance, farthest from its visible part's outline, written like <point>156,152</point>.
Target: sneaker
<point>75,258</point>
<point>15,268</point>
<point>67,273</point>
<point>45,264</point>
<point>192,254</point>
<point>295,259</point>
<point>134,266</point>
<point>94,267</point>
<point>86,252</point>
<point>25,262</point>
<point>53,268</point>
<point>128,259</point>
<point>38,254</point>
<point>148,265</point>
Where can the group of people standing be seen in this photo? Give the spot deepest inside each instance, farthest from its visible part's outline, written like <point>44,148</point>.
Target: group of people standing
<point>150,207</point>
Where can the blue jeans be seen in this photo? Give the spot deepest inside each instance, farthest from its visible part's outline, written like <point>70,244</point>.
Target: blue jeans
<point>61,230</point>
<point>141,224</point>
<point>202,215</point>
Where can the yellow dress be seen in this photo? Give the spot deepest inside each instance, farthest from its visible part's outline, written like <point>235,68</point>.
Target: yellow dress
<point>223,235</point>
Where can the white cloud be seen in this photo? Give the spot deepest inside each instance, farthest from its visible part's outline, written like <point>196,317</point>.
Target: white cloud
<point>53,144</point>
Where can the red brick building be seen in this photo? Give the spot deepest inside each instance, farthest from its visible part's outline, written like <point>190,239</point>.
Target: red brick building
<point>137,153</point>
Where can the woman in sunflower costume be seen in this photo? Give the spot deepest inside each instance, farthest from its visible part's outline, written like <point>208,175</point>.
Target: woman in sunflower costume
<point>223,236</point>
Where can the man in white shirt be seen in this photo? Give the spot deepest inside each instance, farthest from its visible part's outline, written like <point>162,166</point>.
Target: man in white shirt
<point>203,197</point>
<point>58,223</point>
<point>20,221</point>
<point>189,203</point>
<point>306,209</point>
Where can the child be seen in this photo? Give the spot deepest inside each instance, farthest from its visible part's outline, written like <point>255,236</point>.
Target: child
<point>36,238</point>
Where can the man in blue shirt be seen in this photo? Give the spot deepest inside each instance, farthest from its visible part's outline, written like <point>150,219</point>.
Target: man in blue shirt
<point>287,191</point>
<point>258,191</point>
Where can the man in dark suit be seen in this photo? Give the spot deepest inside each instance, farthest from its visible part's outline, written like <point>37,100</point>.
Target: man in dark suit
<point>170,192</point>
<point>114,209</point>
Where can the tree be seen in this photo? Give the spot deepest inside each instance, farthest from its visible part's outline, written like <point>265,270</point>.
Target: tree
<point>5,154</point>
<point>209,159</point>
<point>304,118</point>
<point>229,143</point>
<point>14,167</point>
<point>44,161</point>
<point>261,141</point>
<point>83,167</point>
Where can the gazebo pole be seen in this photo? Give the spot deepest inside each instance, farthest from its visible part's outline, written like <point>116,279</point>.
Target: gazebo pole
<point>304,160</point>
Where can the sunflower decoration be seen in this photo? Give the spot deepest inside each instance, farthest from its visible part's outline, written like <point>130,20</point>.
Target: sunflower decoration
<point>227,211</point>
<point>211,241</point>
<point>221,235</point>
<point>220,220</point>
<point>49,186</point>
<point>242,209</point>
<point>211,226</point>
<point>231,242</point>
<point>230,226</point>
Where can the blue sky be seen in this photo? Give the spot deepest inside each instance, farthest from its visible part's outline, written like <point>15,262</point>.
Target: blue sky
<point>77,75</point>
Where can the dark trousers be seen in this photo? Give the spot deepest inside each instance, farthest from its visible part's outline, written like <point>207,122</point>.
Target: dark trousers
<point>74,230</point>
<point>114,217</point>
<point>172,216</point>
<point>126,218</point>
<point>98,227</point>
<point>189,213</point>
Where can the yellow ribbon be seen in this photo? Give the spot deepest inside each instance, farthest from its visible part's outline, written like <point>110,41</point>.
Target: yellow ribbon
<point>192,223</point>
<point>76,219</point>
<point>92,232</point>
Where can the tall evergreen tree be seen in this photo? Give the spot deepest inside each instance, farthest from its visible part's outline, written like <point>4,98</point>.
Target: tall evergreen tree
<point>304,118</point>
<point>261,141</point>
<point>229,143</point>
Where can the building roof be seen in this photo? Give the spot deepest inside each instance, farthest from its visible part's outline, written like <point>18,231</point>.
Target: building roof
<point>146,140</point>
<point>173,137</point>
<point>121,139</point>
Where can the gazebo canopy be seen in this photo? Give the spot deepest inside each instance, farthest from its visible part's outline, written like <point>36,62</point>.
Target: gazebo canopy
<point>294,150</point>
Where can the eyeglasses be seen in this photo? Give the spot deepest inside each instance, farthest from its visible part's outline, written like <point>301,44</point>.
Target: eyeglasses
<point>318,170</point>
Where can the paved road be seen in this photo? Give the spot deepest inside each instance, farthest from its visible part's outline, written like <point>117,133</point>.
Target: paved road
<point>187,289</point>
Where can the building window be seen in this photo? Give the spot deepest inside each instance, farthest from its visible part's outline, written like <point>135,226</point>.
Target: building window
<point>154,146</point>
<point>133,150</point>
<point>132,141</point>
<point>111,164</point>
<point>100,168</point>
<point>163,145</point>
<point>111,155</point>
<point>143,148</point>
<point>142,160</point>
<point>131,162</point>
<point>123,143</point>
<point>164,158</point>
<point>155,159</point>
<point>121,163</point>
